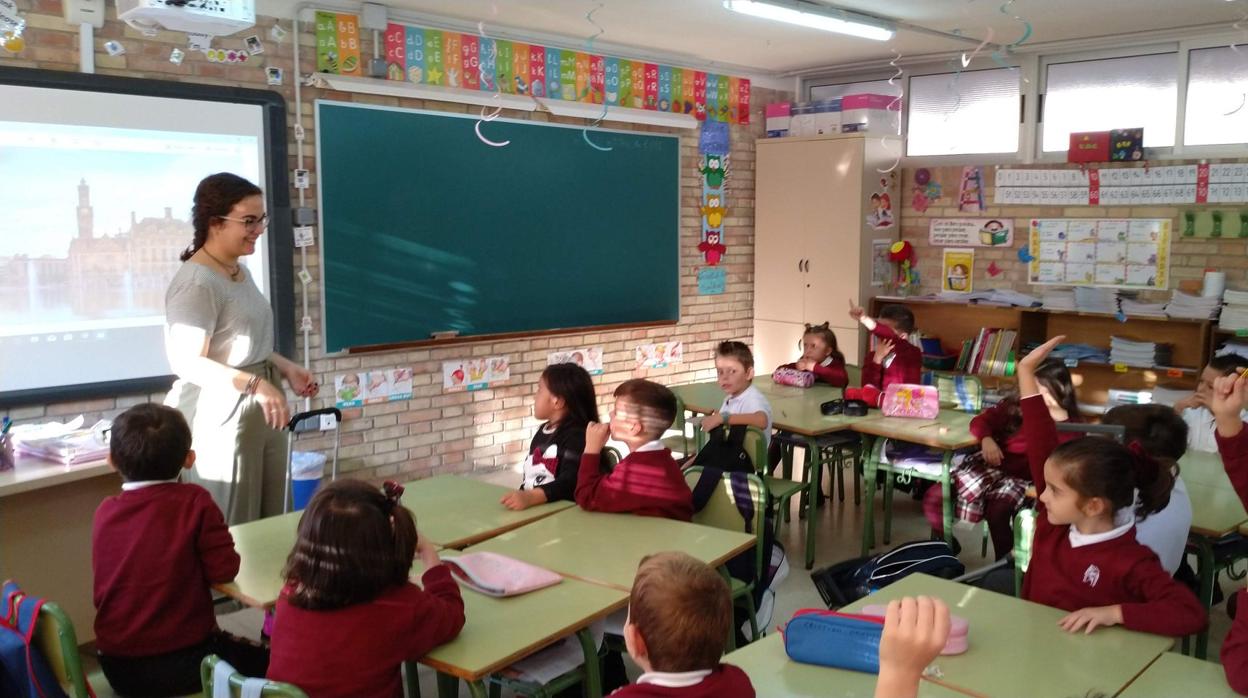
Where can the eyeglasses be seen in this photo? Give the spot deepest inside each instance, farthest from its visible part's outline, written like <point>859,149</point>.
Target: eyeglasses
<point>251,223</point>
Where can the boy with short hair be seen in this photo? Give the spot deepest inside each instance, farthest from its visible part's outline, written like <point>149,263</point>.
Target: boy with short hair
<point>744,404</point>
<point>156,549</point>
<point>648,480</point>
<point>893,360</point>
<point>1195,408</point>
<point>679,614</point>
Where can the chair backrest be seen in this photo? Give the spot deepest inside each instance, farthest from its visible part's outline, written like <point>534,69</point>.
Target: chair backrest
<point>957,390</point>
<point>1117,432</point>
<point>272,689</point>
<point>755,445</point>
<point>1024,530</point>
<point>610,457</point>
<point>56,639</point>
<point>721,510</point>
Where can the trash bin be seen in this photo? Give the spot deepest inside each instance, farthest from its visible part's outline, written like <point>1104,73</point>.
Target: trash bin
<point>306,471</point>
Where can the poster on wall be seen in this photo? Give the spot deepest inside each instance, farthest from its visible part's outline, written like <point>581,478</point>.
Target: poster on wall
<point>660,355</point>
<point>1115,253</point>
<point>957,270</point>
<point>881,266</point>
<point>476,373</point>
<point>971,232</point>
<point>588,358</point>
<point>372,387</point>
<point>880,207</point>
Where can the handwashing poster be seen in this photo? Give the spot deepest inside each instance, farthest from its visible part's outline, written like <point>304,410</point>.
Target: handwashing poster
<point>660,355</point>
<point>476,373</point>
<point>588,358</point>
<point>372,387</point>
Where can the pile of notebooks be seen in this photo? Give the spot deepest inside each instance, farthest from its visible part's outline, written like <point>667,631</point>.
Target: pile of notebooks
<point>1235,312</point>
<point>1058,298</point>
<point>68,444</point>
<point>1096,300</point>
<point>1133,352</point>
<point>1184,305</point>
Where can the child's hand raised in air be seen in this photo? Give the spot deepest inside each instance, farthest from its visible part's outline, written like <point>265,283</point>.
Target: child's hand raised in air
<point>1027,365</point>
<point>915,630</point>
<point>596,435</point>
<point>1091,618</point>
<point>1226,401</point>
<point>855,310</point>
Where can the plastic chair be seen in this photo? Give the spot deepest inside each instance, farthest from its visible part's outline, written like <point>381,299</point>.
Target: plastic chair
<point>272,689</point>
<point>721,512</point>
<point>1024,530</point>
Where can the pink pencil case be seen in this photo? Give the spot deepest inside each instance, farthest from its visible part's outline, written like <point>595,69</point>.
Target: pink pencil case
<point>793,377</point>
<point>959,630</point>
<point>498,575</point>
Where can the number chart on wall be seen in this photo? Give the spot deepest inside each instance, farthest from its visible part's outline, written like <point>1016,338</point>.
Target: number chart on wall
<point>1116,253</point>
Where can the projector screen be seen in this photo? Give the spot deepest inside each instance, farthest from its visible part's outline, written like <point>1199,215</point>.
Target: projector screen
<point>96,189</point>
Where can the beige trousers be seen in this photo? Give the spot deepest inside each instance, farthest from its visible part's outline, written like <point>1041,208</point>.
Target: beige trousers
<point>239,459</point>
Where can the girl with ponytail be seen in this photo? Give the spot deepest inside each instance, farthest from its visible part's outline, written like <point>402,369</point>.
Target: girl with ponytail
<point>348,616</point>
<point>1084,555</point>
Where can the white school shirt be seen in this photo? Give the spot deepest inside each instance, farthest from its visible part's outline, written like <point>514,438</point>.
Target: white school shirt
<point>674,679</point>
<point>1201,428</point>
<point>750,400</point>
<point>1166,531</point>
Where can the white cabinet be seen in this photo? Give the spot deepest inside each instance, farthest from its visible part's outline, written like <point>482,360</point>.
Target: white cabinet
<point>817,202</point>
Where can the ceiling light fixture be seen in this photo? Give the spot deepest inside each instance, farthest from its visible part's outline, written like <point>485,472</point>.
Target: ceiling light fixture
<point>809,14</point>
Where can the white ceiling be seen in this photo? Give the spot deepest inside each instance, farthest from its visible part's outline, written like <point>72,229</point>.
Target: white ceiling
<point>705,32</point>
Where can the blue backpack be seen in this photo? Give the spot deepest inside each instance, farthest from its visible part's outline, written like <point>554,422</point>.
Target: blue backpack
<point>24,671</point>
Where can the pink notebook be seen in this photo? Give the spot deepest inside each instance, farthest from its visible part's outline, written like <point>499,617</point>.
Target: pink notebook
<point>498,575</point>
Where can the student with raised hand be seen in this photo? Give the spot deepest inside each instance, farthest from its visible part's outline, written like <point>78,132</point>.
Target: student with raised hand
<point>915,630</point>
<point>894,359</point>
<point>1085,557</point>
<point>1226,402</point>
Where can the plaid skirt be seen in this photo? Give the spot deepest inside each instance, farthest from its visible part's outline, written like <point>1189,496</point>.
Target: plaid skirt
<point>975,483</point>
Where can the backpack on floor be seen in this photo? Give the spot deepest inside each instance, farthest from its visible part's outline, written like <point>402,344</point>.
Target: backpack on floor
<point>850,580</point>
<point>24,671</point>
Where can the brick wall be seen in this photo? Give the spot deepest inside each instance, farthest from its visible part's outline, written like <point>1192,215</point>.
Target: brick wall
<point>434,432</point>
<point>1189,256</point>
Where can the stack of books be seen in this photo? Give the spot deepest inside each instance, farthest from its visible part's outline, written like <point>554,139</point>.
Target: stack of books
<point>68,447</point>
<point>1184,305</point>
<point>1058,299</point>
<point>1235,312</point>
<point>1131,306</point>
<point>1090,299</point>
<point>991,353</point>
<point>1133,352</point>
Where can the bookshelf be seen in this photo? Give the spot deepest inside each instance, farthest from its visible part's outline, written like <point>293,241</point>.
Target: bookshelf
<point>1190,340</point>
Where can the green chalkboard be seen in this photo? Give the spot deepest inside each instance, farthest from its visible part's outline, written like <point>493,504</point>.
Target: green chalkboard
<point>425,228</point>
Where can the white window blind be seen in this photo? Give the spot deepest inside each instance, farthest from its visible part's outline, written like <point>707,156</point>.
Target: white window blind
<point>972,112</point>
<point>875,87</point>
<point>1131,92</point>
<point>1217,92</point>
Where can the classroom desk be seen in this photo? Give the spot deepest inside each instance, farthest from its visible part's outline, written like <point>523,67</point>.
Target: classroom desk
<point>794,410</point>
<point>1216,512</point>
<point>455,511</point>
<point>1174,675</point>
<point>531,621</point>
<point>606,548</point>
<point>949,431</point>
<point>46,514</point>
<point>1018,650</point>
<point>774,675</point>
<point>1204,468</point>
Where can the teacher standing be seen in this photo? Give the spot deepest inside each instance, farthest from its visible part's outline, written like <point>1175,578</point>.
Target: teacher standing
<point>219,340</point>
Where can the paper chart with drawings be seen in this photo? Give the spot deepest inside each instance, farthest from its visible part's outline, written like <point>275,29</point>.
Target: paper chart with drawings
<point>1118,253</point>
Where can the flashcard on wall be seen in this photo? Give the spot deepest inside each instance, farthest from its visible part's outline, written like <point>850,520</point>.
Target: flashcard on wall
<point>254,47</point>
<point>199,42</point>
<point>660,355</point>
<point>475,373</point>
<point>273,75</point>
<point>588,358</point>
<point>304,236</point>
<point>711,281</point>
<point>372,387</point>
<point>713,139</point>
<point>880,207</point>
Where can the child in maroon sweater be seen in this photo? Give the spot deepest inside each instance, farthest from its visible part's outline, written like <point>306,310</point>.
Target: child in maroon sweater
<point>348,616</point>
<point>648,480</point>
<point>992,485</point>
<point>821,357</point>
<point>1085,557</point>
<point>155,550</point>
<point>1226,403</point>
<point>894,359</point>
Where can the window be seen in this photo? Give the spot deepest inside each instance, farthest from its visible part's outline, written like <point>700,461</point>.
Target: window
<point>1132,92</point>
<point>875,87</point>
<point>1217,89</point>
<point>960,113</point>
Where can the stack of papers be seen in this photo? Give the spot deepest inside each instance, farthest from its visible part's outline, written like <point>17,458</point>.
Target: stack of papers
<point>1096,300</point>
<point>1130,306</point>
<point>1073,353</point>
<point>68,444</point>
<point>1235,312</point>
<point>996,296</point>
<point>1240,350</point>
<point>1132,352</point>
<point>1193,307</point>
<point>1058,299</point>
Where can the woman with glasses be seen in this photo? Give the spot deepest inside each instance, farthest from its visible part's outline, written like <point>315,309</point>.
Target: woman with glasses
<point>219,340</point>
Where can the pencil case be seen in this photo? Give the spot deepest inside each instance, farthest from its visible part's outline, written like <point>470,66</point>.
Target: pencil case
<point>793,377</point>
<point>498,575</point>
<point>959,629</point>
<point>834,639</point>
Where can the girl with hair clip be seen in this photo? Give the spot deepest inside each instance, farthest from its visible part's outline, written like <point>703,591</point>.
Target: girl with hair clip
<point>348,616</point>
<point>1085,558</point>
<point>992,484</point>
<point>565,399</point>
<point>821,356</point>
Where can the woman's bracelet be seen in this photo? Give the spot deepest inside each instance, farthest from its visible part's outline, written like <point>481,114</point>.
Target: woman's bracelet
<point>252,385</point>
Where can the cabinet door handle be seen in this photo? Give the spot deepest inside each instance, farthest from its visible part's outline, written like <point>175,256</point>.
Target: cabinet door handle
<point>807,266</point>
<point>799,264</point>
